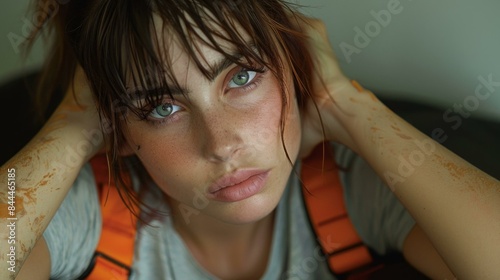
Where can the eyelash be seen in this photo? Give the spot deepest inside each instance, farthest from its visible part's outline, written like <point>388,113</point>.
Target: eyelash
<point>246,88</point>
<point>253,83</point>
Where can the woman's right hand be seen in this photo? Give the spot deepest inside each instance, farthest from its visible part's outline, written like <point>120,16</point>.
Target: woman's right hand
<point>78,112</point>
<point>45,170</point>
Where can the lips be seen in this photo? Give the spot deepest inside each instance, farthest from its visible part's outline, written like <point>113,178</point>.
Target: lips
<point>238,185</point>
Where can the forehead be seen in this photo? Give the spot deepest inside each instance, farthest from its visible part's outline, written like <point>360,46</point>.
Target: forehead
<point>181,46</point>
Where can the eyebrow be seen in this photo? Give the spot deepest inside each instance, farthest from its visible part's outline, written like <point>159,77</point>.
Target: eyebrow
<point>213,72</point>
<point>137,93</point>
<point>221,65</point>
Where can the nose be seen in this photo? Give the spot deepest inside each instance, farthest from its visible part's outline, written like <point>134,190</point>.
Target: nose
<point>220,137</point>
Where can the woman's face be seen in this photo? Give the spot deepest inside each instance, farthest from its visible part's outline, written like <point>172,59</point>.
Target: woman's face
<point>218,147</point>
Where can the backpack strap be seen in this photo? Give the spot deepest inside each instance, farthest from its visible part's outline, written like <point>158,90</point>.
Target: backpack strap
<point>115,251</point>
<point>324,200</point>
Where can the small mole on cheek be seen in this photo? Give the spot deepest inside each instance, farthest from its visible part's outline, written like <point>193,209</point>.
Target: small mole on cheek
<point>138,147</point>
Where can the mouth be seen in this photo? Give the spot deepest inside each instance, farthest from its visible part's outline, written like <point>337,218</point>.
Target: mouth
<point>238,185</point>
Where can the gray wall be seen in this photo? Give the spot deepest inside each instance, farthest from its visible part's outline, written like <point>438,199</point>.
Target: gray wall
<point>431,51</point>
<point>14,26</point>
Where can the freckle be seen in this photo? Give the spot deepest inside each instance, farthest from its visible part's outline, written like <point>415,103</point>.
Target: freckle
<point>369,118</point>
<point>374,129</point>
<point>138,147</point>
<point>374,109</point>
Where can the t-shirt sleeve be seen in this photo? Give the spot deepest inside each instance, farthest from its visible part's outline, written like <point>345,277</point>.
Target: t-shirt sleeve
<point>380,219</point>
<point>74,231</point>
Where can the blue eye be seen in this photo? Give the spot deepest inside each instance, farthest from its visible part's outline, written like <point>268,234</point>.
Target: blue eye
<point>164,111</point>
<point>242,78</point>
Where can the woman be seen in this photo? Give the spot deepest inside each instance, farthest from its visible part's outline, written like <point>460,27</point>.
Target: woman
<point>211,94</point>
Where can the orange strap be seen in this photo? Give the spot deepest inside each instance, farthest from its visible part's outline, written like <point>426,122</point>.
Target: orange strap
<point>323,196</point>
<point>115,251</point>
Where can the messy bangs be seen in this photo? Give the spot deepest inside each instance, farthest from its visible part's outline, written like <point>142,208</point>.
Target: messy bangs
<point>127,52</point>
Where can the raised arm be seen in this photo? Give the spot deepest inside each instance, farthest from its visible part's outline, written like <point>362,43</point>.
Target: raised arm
<point>455,204</point>
<point>36,180</point>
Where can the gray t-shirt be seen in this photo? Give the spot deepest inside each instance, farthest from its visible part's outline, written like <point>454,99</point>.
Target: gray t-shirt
<point>380,219</point>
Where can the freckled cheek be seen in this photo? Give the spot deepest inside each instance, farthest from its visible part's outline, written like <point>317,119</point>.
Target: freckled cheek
<point>264,122</point>
<point>266,128</point>
<point>166,161</point>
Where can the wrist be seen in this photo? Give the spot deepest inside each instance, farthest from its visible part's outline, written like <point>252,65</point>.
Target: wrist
<point>77,133</point>
<point>351,113</point>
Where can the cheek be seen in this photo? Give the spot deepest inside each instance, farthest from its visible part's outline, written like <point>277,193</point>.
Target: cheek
<point>165,158</point>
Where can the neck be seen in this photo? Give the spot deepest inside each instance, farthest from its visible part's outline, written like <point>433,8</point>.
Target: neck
<point>224,249</point>
<point>204,229</point>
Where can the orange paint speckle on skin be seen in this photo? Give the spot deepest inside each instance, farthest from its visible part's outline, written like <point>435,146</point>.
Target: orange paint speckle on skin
<point>455,171</point>
<point>353,100</point>
<point>4,212</point>
<point>395,128</point>
<point>357,85</point>
<point>26,161</point>
<point>20,211</point>
<point>404,136</point>
<point>28,194</point>
<point>372,96</point>
<point>479,183</point>
<point>37,222</point>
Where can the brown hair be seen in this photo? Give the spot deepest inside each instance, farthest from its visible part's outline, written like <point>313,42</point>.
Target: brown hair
<point>109,38</point>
